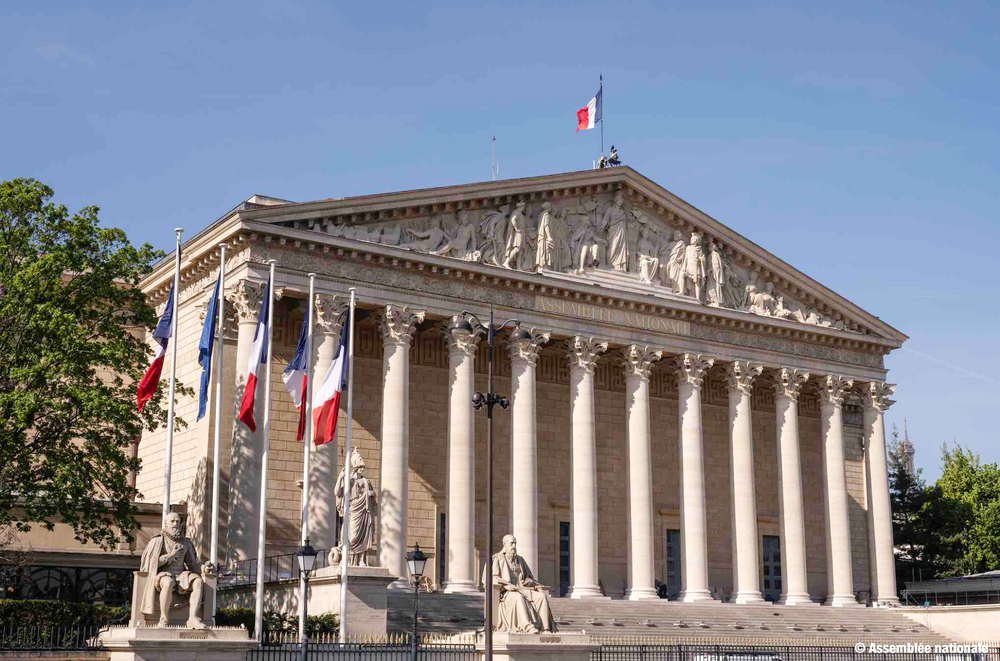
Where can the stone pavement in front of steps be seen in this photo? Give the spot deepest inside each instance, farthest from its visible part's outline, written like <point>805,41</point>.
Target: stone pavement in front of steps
<point>677,622</point>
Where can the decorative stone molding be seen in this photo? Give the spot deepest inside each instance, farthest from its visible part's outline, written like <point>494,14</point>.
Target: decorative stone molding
<point>245,298</point>
<point>638,359</point>
<point>527,350</point>
<point>788,382</point>
<point>876,395</point>
<point>584,351</point>
<point>834,389</point>
<point>460,340</point>
<point>691,368</point>
<point>397,323</point>
<point>740,375</point>
<point>329,313</point>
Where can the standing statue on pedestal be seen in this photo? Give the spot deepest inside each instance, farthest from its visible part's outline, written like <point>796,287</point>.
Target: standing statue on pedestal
<point>362,511</point>
<point>615,223</point>
<point>170,564</point>
<point>524,603</point>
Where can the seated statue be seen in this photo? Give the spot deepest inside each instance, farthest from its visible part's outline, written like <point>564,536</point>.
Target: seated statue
<point>171,567</point>
<point>523,602</point>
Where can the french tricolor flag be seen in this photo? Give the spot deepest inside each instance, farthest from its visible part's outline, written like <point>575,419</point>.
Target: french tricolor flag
<point>326,402</point>
<point>147,387</point>
<point>295,376</point>
<point>258,357</point>
<point>588,116</point>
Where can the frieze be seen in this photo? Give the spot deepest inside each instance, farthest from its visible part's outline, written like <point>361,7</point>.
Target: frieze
<point>612,315</point>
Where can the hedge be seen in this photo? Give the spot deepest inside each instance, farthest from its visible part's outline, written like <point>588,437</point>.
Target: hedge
<point>19,612</point>
<point>316,624</point>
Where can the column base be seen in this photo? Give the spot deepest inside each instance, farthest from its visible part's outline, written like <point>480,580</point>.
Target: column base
<point>586,592</point>
<point>638,594</point>
<point>842,601</point>
<point>801,599</point>
<point>748,597</point>
<point>460,587</point>
<point>888,602</point>
<point>696,596</point>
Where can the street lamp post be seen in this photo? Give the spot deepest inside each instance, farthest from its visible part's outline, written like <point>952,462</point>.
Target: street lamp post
<point>491,399</point>
<point>416,560</point>
<point>306,557</point>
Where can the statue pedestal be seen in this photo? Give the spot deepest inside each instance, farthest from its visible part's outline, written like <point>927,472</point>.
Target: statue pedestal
<point>571,646</point>
<point>177,644</point>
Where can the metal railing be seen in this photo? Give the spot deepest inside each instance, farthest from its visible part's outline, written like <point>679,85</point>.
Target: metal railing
<point>276,568</point>
<point>399,650</point>
<point>42,637</point>
<point>653,652</point>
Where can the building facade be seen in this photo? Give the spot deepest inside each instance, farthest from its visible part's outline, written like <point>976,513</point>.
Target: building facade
<point>687,409</point>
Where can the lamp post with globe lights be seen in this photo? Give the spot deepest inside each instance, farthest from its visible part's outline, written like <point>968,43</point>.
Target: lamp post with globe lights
<point>416,561</point>
<point>306,557</point>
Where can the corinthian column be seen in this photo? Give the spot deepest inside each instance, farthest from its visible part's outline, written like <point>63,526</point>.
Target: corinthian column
<point>397,324</point>
<point>694,537</point>
<point>880,513</point>
<point>583,353</point>
<point>524,445</point>
<point>244,471</point>
<point>839,580</point>
<point>323,459</point>
<point>794,584</point>
<point>746,561</point>
<point>638,361</point>
<point>461,559</point>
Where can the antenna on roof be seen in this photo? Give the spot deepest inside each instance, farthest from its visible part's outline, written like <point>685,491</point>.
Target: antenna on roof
<point>494,170</point>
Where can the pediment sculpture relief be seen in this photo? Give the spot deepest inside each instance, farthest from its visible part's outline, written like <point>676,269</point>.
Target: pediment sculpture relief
<point>589,235</point>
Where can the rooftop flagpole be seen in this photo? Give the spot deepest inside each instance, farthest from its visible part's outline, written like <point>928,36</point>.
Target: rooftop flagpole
<point>600,93</point>
<point>173,378</point>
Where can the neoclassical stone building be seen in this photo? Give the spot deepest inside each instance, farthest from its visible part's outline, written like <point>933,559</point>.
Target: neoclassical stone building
<point>688,410</point>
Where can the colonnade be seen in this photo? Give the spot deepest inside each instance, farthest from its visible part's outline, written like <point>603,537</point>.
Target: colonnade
<point>397,325</point>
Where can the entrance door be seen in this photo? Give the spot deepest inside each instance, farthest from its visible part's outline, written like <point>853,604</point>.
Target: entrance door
<point>772,567</point>
<point>563,558</point>
<point>673,564</point>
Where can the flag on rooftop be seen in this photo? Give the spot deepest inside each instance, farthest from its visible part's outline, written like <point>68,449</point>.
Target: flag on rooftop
<point>588,116</point>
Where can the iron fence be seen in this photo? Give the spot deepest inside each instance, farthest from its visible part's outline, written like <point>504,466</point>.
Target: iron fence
<point>50,637</point>
<point>385,651</point>
<point>276,568</point>
<point>653,652</point>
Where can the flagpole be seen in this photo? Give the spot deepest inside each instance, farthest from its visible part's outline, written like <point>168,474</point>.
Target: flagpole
<point>265,445</point>
<point>216,452</point>
<point>345,533</point>
<point>173,378</point>
<point>602,114</point>
<point>307,451</point>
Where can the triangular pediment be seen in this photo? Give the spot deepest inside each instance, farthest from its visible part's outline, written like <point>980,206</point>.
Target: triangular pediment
<point>614,228</point>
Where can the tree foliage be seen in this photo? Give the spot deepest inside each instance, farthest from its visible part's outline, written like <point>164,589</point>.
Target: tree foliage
<point>71,323</point>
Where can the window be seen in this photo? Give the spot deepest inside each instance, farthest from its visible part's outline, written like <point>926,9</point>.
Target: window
<point>564,543</point>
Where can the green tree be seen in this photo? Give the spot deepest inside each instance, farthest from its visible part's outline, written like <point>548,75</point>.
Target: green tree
<point>71,321</point>
<point>965,507</point>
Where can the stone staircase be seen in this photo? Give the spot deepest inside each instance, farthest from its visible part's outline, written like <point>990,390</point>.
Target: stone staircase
<point>675,622</point>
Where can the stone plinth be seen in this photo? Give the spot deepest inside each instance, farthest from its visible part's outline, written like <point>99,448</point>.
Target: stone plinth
<point>177,644</point>
<point>572,646</point>
<point>366,597</point>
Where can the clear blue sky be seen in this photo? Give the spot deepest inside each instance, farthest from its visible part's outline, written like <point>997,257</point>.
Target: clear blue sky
<point>856,140</point>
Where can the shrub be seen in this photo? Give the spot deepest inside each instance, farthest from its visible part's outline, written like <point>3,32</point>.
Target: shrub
<point>32,612</point>
<point>288,623</point>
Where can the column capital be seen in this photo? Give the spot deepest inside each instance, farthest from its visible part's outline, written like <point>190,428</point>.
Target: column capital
<point>582,352</point>
<point>691,368</point>
<point>527,350</point>
<point>329,311</point>
<point>789,381</point>
<point>638,359</point>
<point>245,297</point>
<point>833,389</point>
<point>397,323</point>
<point>459,338</point>
<point>740,375</point>
<point>877,394</point>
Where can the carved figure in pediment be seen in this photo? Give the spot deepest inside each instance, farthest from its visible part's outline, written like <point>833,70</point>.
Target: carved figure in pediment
<point>693,268</point>
<point>517,237</point>
<point>647,256</point>
<point>391,236</point>
<point>463,244</point>
<point>760,302</point>
<point>589,246</point>
<point>427,240</point>
<point>717,275</point>
<point>675,261</point>
<point>493,227</point>
<point>546,246</point>
<point>563,257</point>
<point>615,222</point>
